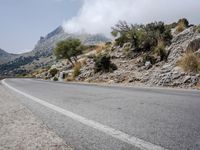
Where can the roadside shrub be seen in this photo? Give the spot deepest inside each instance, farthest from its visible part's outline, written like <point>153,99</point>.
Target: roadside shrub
<point>55,79</point>
<point>103,63</point>
<point>190,62</point>
<point>76,70</point>
<point>53,72</point>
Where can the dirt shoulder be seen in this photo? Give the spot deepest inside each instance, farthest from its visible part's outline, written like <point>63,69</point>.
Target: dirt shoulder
<point>20,129</point>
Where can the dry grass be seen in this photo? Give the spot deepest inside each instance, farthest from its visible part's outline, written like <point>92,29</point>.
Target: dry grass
<point>99,49</point>
<point>84,62</point>
<point>161,51</point>
<point>190,62</point>
<point>180,28</point>
<point>76,70</point>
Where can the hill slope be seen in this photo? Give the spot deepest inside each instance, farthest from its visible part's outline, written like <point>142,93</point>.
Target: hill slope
<point>136,69</point>
<point>6,57</point>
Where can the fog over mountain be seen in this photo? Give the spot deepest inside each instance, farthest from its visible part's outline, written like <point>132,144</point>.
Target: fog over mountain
<point>97,16</point>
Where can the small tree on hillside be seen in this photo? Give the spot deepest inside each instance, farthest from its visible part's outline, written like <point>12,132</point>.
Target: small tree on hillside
<point>68,49</point>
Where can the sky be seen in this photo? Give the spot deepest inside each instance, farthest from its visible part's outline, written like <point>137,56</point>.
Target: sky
<point>24,21</point>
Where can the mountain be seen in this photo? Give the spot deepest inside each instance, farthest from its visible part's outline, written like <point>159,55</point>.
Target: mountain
<point>42,54</point>
<point>46,44</point>
<point>131,67</point>
<point>6,57</point>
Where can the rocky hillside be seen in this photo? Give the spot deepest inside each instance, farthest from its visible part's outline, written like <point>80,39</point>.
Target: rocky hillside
<point>6,57</point>
<point>42,54</point>
<point>135,68</point>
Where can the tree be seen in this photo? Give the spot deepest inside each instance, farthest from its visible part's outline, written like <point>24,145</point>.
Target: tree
<point>69,49</point>
<point>142,37</point>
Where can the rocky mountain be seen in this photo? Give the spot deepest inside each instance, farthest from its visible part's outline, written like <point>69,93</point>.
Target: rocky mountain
<point>135,70</point>
<point>6,57</point>
<point>46,44</point>
<point>41,55</point>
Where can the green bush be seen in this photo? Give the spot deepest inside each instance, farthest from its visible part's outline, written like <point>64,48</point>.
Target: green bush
<point>121,40</point>
<point>53,72</point>
<point>55,79</point>
<point>142,37</point>
<point>103,63</point>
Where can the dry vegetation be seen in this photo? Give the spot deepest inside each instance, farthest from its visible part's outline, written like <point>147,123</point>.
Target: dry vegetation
<point>190,62</point>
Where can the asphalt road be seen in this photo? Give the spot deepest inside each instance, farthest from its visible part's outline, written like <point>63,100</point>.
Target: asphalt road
<point>92,117</point>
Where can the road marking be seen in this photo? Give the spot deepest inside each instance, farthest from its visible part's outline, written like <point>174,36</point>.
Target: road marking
<point>139,143</point>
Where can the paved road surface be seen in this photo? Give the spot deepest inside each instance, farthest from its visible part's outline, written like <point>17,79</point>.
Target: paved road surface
<point>114,118</point>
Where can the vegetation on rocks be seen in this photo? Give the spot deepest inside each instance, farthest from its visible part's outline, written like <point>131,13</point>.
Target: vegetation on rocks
<point>55,79</point>
<point>142,37</point>
<point>53,72</point>
<point>190,62</point>
<point>142,54</point>
<point>103,63</point>
<point>182,25</point>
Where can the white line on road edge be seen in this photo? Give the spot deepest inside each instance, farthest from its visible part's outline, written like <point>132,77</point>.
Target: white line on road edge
<point>139,143</point>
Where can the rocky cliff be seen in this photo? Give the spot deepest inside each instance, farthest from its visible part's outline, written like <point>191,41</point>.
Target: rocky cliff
<point>134,71</point>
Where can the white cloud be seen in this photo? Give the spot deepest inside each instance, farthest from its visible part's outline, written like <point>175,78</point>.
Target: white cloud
<point>97,16</point>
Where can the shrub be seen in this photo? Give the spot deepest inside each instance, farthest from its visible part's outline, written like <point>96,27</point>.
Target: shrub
<point>121,40</point>
<point>103,63</point>
<point>142,37</point>
<point>190,62</point>
<point>149,58</point>
<point>180,28</point>
<point>184,22</point>
<point>76,70</point>
<point>53,72</point>
<point>161,51</point>
<point>55,79</point>
<point>182,25</point>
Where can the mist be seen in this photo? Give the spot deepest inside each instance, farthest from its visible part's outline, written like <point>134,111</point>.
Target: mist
<point>98,16</point>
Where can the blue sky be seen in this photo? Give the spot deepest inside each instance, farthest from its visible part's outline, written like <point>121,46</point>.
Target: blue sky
<point>24,21</point>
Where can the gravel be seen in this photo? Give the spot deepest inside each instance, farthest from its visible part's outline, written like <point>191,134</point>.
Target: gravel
<point>21,130</point>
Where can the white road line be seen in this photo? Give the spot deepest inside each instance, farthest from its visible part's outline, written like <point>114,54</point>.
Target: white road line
<point>139,143</point>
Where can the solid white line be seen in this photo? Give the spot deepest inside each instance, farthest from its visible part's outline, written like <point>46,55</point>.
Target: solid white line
<point>139,143</point>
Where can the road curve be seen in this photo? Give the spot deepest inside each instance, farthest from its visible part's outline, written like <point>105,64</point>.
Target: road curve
<point>97,117</point>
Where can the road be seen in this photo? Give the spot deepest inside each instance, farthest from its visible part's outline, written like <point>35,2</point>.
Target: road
<point>90,117</point>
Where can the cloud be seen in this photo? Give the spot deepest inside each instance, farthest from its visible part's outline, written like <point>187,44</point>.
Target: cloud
<point>97,16</point>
